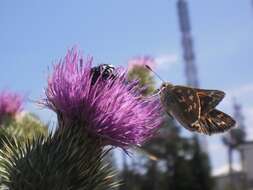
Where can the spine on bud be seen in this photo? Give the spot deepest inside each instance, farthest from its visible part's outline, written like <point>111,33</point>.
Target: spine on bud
<point>68,159</point>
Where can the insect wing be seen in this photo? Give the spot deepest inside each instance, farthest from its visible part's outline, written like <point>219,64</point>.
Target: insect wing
<point>209,99</point>
<point>188,103</point>
<point>215,122</point>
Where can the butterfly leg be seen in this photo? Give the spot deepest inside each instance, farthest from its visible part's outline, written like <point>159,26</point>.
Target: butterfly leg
<point>170,116</point>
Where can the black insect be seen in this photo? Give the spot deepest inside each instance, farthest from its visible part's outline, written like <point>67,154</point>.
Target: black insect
<point>106,70</point>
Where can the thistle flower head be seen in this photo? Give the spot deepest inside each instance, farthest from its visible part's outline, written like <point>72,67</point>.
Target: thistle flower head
<point>110,109</point>
<point>141,62</point>
<point>10,104</point>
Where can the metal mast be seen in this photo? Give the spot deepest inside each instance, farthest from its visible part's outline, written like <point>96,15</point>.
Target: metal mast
<point>238,115</point>
<point>188,54</point>
<point>240,136</point>
<point>187,44</point>
<point>233,139</point>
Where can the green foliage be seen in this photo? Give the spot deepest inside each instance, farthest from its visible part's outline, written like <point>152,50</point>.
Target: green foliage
<point>65,160</point>
<point>146,81</point>
<point>180,165</point>
<point>24,127</point>
<point>200,167</point>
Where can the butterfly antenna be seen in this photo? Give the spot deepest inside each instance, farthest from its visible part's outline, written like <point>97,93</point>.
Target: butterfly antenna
<point>148,67</point>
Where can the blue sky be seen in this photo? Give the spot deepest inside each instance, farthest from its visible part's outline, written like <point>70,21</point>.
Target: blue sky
<point>34,34</point>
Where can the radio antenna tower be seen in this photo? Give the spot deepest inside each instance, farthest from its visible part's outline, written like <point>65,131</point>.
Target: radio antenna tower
<point>187,44</point>
<point>188,54</point>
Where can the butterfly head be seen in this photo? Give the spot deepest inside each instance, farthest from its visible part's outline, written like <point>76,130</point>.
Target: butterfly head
<point>165,90</point>
<point>166,85</point>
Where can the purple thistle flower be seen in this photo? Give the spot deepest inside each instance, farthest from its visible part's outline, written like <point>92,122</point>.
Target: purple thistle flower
<point>111,109</point>
<point>10,104</point>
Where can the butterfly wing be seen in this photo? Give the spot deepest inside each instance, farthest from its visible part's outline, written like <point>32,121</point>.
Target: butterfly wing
<point>209,99</point>
<point>188,104</point>
<point>214,122</point>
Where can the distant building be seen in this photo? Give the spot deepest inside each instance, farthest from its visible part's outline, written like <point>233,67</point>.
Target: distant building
<point>246,150</point>
<point>241,180</point>
<point>222,182</point>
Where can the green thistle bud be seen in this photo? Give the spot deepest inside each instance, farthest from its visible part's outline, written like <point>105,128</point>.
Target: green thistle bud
<point>62,161</point>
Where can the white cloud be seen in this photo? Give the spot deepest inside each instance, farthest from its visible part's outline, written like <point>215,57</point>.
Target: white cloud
<point>241,93</point>
<point>225,169</point>
<point>166,60</point>
<point>245,89</point>
<point>215,147</point>
<point>248,114</point>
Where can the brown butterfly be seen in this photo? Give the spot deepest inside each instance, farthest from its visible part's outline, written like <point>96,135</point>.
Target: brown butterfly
<point>194,108</point>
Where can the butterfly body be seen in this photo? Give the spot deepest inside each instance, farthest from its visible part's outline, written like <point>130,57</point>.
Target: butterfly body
<point>195,108</point>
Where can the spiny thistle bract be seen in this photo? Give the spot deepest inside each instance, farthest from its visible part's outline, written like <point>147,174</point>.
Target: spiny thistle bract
<point>66,160</point>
